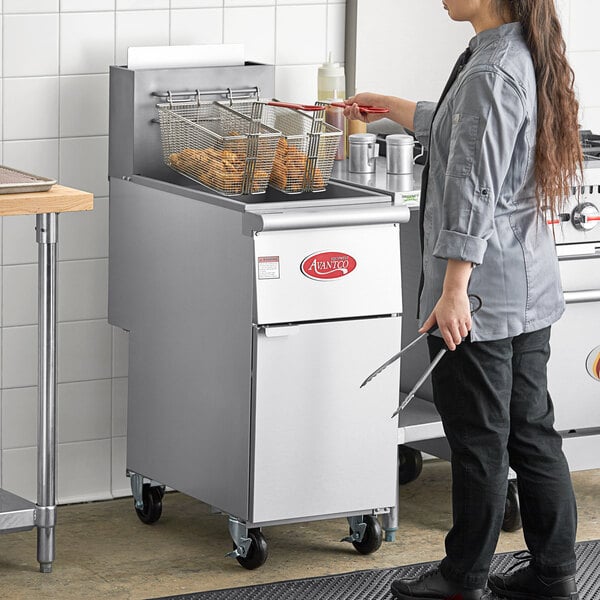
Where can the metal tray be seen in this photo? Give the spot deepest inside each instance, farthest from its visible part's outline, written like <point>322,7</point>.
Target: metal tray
<point>13,181</point>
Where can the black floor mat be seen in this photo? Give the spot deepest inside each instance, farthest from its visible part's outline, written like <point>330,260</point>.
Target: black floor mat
<point>375,584</point>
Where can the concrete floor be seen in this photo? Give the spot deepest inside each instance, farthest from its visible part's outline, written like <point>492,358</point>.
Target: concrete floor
<point>104,551</point>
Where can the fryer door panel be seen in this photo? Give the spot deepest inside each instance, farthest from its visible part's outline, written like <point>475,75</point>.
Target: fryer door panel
<point>573,367</point>
<point>322,445</point>
<point>285,295</point>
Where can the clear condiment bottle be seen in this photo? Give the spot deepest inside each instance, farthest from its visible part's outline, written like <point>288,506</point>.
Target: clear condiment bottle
<point>332,88</point>
<point>331,81</point>
<point>334,115</point>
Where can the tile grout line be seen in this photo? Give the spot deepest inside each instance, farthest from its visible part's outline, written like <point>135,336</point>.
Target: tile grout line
<point>2,269</point>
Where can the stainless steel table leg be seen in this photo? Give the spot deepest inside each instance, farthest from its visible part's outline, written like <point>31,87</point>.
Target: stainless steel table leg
<point>390,520</point>
<point>46,237</point>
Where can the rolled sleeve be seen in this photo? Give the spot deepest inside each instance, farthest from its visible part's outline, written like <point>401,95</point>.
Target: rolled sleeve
<point>488,114</point>
<point>451,244</point>
<point>422,121</point>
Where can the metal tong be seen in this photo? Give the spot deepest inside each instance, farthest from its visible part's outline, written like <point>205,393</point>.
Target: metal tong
<point>363,109</point>
<point>476,304</point>
<point>311,107</point>
<point>294,105</point>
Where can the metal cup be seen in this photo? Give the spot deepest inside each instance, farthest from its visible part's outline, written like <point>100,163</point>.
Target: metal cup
<point>399,154</point>
<point>363,152</point>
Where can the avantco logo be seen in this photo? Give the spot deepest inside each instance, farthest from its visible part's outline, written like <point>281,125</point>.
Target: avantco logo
<point>593,363</point>
<point>328,265</point>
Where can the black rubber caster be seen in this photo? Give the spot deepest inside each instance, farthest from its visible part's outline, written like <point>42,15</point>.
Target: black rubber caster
<point>410,464</point>
<point>372,538</point>
<point>152,509</point>
<point>257,553</point>
<point>512,512</point>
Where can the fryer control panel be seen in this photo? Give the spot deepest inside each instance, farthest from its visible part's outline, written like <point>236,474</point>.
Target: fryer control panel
<point>580,218</point>
<point>330,273</point>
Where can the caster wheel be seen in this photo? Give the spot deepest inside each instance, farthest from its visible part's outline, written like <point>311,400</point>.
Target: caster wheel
<point>257,553</point>
<point>152,497</point>
<point>373,537</point>
<point>512,513</point>
<point>410,464</point>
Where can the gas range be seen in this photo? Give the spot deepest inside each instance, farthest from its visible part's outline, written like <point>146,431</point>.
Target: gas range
<point>579,220</point>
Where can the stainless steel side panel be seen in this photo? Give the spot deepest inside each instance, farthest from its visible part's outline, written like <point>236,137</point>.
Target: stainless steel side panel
<point>575,344</point>
<point>579,266</point>
<point>573,376</point>
<point>322,445</point>
<point>582,451</point>
<point>288,295</point>
<point>180,279</point>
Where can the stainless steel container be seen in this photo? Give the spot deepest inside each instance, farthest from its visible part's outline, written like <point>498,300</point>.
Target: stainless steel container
<point>363,152</point>
<point>399,154</point>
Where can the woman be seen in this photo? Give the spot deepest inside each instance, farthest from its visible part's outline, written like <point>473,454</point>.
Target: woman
<point>503,152</point>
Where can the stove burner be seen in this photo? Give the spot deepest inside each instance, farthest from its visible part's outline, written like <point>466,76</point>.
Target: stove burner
<point>590,144</point>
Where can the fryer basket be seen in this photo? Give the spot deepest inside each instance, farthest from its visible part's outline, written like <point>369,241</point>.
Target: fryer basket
<point>306,151</point>
<point>217,146</point>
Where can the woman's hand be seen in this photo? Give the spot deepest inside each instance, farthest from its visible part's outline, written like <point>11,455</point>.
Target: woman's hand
<point>452,313</point>
<point>365,99</point>
<point>400,110</point>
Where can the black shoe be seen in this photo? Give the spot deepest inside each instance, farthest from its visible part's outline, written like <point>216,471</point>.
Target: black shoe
<point>433,586</point>
<point>526,584</point>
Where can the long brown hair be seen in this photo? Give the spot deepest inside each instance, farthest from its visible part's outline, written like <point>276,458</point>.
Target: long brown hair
<point>558,156</point>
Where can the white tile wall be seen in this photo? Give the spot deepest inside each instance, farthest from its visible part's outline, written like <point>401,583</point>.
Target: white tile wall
<point>86,42</point>
<point>30,6</point>
<point>140,28</point>
<point>19,417</point>
<point>55,57</point>
<point>119,482</point>
<point>88,5</point>
<point>580,21</point>
<point>301,35</point>
<point>83,105</point>
<point>119,406</point>
<point>30,45</point>
<point>237,29</point>
<point>84,471</point>
<point>197,26</point>
<point>30,108</point>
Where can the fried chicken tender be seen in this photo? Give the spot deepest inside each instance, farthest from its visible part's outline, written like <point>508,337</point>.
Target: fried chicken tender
<point>289,167</point>
<point>219,169</point>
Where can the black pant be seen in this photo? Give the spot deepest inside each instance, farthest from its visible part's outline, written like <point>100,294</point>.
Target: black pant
<point>496,412</point>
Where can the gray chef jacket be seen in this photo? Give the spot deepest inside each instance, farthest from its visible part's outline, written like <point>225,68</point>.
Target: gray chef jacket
<point>481,204</point>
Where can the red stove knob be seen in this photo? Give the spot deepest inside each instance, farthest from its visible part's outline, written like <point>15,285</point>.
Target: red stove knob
<point>553,218</point>
<point>558,219</point>
<point>585,216</point>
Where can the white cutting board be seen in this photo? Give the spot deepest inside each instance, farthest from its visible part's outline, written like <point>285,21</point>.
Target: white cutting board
<point>169,57</point>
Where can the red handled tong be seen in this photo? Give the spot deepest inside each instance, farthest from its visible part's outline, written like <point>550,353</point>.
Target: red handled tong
<point>312,107</point>
<point>295,106</point>
<point>364,109</point>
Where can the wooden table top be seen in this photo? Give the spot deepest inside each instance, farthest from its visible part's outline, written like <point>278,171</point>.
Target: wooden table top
<point>57,199</point>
